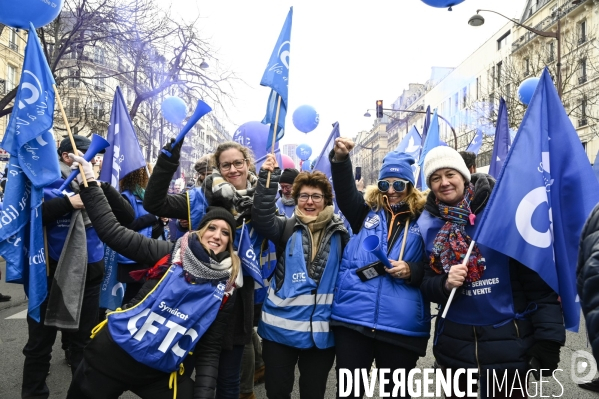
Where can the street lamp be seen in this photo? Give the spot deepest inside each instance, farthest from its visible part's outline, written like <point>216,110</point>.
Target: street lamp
<point>455,136</point>
<point>478,20</point>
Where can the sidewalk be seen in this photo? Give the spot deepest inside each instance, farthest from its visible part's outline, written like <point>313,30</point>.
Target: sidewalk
<point>14,290</point>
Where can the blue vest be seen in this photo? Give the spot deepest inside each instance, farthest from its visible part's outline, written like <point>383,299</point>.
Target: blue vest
<point>196,209</point>
<point>298,314</point>
<point>56,232</point>
<point>161,330</point>
<point>488,301</point>
<point>383,303</point>
<point>137,205</point>
<point>287,210</point>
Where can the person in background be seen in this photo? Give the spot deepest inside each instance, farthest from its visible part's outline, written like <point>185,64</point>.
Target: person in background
<point>286,202</point>
<point>203,168</point>
<point>470,160</point>
<point>296,314</point>
<point>381,314</point>
<point>503,317</point>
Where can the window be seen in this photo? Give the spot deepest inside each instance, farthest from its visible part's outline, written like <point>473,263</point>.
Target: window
<point>99,55</point>
<point>582,32</point>
<point>73,108</point>
<point>583,112</point>
<point>526,67</point>
<point>100,84</point>
<point>11,77</point>
<point>582,71</point>
<point>502,41</point>
<point>550,51</point>
<point>491,105</point>
<point>12,40</point>
<point>455,103</point>
<point>464,97</point>
<point>98,110</point>
<point>499,64</point>
<point>478,88</point>
<point>74,78</point>
<point>508,91</point>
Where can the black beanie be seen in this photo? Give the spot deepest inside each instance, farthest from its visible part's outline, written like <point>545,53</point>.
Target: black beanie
<point>288,176</point>
<point>216,212</point>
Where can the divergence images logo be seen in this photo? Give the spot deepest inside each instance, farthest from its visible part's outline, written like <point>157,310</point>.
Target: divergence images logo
<point>583,367</point>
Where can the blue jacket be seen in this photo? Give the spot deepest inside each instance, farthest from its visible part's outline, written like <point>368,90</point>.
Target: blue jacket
<point>137,205</point>
<point>286,210</point>
<point>383,303</point>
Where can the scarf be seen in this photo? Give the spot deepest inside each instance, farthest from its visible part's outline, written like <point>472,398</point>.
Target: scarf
<point>218,190</point>
<point>316,225</point>
<point>451,243</point>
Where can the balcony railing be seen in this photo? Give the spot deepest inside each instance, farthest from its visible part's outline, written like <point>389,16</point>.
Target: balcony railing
<point>582,39</point>
<point>582,122</point>
<point>13,46</point>
<point>582,79</point>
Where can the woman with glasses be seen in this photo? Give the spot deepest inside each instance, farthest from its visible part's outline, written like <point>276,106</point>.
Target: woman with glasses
<point>296,314</point>
<point>378,312</point>
<point>231,186</point>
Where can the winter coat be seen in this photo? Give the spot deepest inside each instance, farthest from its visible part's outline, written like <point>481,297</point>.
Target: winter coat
<point>279,229</point>
<point>149,251</point>
<point>535,309</point>
<point>587,277</point>
<point>378,317</point>
<point>158,202</point>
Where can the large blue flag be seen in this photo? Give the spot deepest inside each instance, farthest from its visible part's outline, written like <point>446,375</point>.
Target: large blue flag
<point>502,143</point>
<point>33,164</point>
<point>124,155</point>
<point>432,140</point>
<point>476,142</point>
<point>596,166</point>
<point>249,260</point>
<point>542,198</point>
<point>276,76</point>
<point>411,144</point>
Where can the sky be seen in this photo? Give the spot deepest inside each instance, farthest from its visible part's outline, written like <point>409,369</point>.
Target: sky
<point>345,55</point>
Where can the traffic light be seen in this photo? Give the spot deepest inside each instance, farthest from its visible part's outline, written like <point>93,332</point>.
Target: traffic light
<point>379,108</point>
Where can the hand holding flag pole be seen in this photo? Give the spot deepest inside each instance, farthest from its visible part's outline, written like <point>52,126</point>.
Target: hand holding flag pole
<point>274,137</point>
<point>464,263</point>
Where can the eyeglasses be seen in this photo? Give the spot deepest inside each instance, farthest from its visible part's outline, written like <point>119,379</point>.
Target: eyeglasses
<point>238,163</point>
<point>316,198</point>
<point>398,185</point>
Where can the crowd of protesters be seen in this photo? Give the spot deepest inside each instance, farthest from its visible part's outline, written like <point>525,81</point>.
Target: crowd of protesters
<point>194,323</point>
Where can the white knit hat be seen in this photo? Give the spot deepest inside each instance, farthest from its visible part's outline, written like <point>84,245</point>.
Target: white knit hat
<point>444,157</point>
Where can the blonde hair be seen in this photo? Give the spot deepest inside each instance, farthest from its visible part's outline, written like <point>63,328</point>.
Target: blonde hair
<point>235,261</point>
<point>227,145</point>
<point>414,198</point>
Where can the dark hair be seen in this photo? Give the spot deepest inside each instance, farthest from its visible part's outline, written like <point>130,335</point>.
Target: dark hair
<point>469,158</point>
<point>313,179</point>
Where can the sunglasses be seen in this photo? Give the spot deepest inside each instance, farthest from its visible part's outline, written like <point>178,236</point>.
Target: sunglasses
<point>398,185</point>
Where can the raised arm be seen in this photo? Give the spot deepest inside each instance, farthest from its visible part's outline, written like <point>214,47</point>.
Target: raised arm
<point>122,209</point>
<point>264,209</point>
<point>157,201</point>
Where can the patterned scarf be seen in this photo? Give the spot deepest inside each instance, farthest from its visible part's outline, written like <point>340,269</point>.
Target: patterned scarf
<point>452,242</point>
<point>241,200</point>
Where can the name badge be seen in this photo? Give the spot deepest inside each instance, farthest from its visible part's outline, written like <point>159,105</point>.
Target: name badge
<point>372,222</point>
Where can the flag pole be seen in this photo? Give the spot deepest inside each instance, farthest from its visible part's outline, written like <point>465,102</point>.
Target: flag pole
<point>274,135</point>
<point>465,262</point>
<point>66,122</point>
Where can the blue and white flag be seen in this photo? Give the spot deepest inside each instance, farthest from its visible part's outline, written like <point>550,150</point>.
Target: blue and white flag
<point>249,260</point>
<point>261,160</point>
<point>33,164</point>
<point>111,291</point>
<point>411,144</point>
<point>476,142</point>
<point>502,143</point>
<point>276,76</point>
<point>432,140</point>
<point>124,154</point>
<point>542,198</point>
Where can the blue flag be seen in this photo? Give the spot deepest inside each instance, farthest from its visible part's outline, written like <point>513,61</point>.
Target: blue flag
<point>543,196</point>
<point>249,260</point>
<point>502,143</point>
<point>432,140</point>
<point>427,124</point>
<point>124,155</point>
<point>261,160</point>
<point>33,164</point>
<point>596,166</point>
<point>476,142</point>
<point>111,290</point>
<point>276,76</point>
<point>411,144</point>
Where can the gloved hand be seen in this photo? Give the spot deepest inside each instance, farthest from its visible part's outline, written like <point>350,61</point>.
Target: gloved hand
<point>88,169</point>
<point>544,355</point>
<point>174,151</point>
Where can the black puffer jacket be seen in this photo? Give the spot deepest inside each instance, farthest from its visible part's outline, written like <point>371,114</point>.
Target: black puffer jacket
<point>266,221</point>
<point>158,202</point>
<point>489,347</point>
<point>146,250</point>
<point>587,277</point>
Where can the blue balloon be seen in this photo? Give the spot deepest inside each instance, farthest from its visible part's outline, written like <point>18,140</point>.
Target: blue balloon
<point>442,3</point>
<point>527,89</point>
<point>303,151</point>
<point>253,135</point>
<point>305,118</point>
<point>18,14</point>
<point>306,166</point>
<point>174,110</point>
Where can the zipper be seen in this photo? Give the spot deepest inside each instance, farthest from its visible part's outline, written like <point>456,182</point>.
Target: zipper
<point>476,349</point>
<point>517,330</point>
